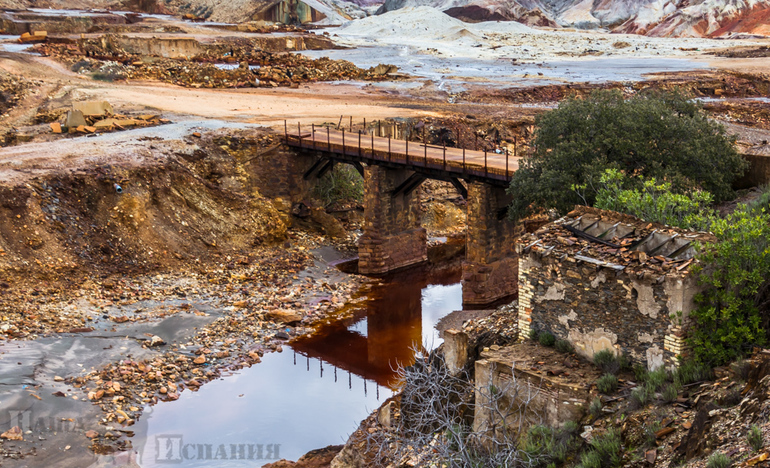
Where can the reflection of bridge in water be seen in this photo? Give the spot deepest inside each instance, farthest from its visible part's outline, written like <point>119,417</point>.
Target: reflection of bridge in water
<point>382,334</point>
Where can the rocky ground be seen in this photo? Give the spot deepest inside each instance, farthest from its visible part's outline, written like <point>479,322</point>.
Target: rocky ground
<point>111,301</point>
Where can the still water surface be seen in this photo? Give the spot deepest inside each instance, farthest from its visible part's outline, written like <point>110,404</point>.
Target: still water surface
<point>313,394</point>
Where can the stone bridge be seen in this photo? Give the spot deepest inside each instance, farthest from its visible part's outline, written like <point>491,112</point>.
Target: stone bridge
<point>393,171</point>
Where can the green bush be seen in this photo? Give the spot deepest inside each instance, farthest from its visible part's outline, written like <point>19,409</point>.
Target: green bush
<point>665,136</point>
<point>609,448</point>
<point>719,460</point>
<point>607,361</point>
<point>607,383</point>
<point>735,271</point>
<point>533,334</point>
<point>641,396</point>
<point>590,459</point>
<point>547,339</point>
<point>754,438</point>
<point>692,371</point>
<point>595,408</point>
<point>545,445</point>
<point>670,393</point>
<point>564,346</point>
<point>656,378</point>
<point>342,184</point>
<point>654,202</point>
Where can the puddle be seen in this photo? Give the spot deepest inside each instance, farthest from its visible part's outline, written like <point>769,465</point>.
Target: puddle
<point>313,394</point>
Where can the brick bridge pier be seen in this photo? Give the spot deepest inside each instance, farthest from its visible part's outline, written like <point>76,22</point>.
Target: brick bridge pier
<point>393,171</point>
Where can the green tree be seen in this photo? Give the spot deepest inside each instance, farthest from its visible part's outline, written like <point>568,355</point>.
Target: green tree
<point>665,136</point>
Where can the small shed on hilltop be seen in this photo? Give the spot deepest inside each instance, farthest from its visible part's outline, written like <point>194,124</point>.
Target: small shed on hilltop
<point>605,280</point>
<point>287,12</point>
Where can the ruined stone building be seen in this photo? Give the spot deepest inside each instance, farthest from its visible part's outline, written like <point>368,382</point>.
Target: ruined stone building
<point>604,280</point>
<point>287,12</point>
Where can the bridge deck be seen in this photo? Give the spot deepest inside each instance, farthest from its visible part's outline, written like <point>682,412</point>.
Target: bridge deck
<point>455,162</point>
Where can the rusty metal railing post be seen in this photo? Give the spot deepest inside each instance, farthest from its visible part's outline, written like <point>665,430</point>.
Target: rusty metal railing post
<point>343,142</point>
<point>299,134</point>
<point>389,157</point>
<point>407,151</point>
<point>359,143</point>
<point>364,123</point>
<point>379,128</point>
<point>351,123</point>
<point>372,145</point>
<point>328,140</point>
<point>312,135</point>
<point>506,163</point>
<point>464,170</point>
<point>445,157</point>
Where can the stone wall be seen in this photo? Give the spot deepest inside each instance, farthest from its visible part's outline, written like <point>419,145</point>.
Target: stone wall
<point>392,236</point>
<point>597,308</point>
<point>550,401</point>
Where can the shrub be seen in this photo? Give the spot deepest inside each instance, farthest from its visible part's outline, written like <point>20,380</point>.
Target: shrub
<point>595,408</point>
<point>609,448</point>
<point>547,339</point>
<point>590,459</point>
<point>654,202</point>
<point>641,396</point>
<point>719,460</point>
<point>342,184</point>
<point>607,361</point>
<point>656,378</point>
<point>640,372</point>
<point>754,437</point>
<point>670,393</point>
<point>533,334</point>
<point>564,346</point>
<point>727,320</point>
<point>691,371</point>
<point>665,136</point>
<point>545,445</point>
<point>607,383</point>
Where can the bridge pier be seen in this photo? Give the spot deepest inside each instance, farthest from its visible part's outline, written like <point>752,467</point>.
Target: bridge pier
<point>392,236</point>
<point>491,267</point>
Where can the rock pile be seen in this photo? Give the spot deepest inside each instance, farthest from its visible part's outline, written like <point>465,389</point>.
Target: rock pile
<point>235,64</point>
